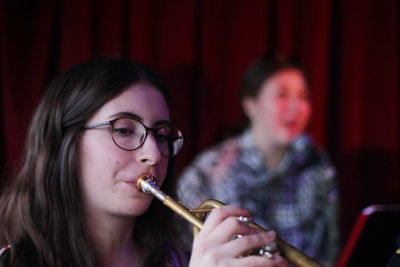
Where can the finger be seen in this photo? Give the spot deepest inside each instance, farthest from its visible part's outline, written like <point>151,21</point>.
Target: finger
<point>218,215</point>
<point>246,243</point>
<point>224,232</point>
<point>231,228</point>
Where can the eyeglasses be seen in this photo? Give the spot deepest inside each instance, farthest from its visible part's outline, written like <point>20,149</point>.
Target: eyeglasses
<point>130,134</point>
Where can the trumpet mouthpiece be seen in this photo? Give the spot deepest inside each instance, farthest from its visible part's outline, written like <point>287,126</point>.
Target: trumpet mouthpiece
<point>147,183</point>
<point>144,178</point>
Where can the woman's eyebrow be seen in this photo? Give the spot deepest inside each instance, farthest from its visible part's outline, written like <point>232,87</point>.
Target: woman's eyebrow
<point>131,115</point>
<point>125,114</point>
<point>162,122</point>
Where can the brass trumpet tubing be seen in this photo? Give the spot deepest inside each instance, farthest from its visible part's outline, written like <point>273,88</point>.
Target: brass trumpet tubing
<point>292,254</point>
<point>183,212</point>
<point>146,183</point>
<point>295,256</point>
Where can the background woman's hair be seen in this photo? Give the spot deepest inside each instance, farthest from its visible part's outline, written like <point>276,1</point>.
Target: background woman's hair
<point>262,69</point>
<point>40,211</point>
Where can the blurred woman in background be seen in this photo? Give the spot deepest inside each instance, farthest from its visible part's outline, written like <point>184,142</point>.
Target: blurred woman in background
<point>273,168</point>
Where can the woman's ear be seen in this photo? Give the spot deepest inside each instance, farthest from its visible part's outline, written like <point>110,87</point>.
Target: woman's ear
<point>248,106</point>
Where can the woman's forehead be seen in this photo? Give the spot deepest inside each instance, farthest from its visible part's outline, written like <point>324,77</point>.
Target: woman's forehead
<point>141,99</point>
<point>288,78</point>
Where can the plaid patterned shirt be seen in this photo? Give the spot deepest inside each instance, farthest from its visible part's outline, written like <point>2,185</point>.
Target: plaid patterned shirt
<point>298,200</point>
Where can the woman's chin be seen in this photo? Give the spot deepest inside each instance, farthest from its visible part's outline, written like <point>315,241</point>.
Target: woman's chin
<point>288,138</point>
<point>135,208</point>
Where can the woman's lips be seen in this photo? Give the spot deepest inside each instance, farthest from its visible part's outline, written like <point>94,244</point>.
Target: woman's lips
<point>134,181</point>
<point>290,125</point>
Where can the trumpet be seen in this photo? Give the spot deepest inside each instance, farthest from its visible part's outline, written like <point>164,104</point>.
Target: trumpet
<point>146,183</point>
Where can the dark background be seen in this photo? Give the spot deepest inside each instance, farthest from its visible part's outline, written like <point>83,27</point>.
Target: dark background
<point>202,47</point>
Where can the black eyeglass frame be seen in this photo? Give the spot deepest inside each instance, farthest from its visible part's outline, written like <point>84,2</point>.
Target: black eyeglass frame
<point>148,129</point>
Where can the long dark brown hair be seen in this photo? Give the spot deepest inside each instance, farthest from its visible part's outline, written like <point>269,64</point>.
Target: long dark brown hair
<point>40,210</point>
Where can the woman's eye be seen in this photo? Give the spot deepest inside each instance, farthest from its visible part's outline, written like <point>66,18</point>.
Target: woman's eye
<point>161,138</point>
<point>304,96</point>
<point>123,131</point>
<point>281,93</point>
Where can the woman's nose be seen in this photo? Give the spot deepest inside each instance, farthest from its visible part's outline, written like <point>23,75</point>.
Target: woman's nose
<point>294,104</point>
<point>149,151</point>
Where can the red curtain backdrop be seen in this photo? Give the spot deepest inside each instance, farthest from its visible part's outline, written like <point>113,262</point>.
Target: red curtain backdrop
<point>202,47</point>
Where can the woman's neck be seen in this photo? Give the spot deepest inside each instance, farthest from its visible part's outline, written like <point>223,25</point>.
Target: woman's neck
<point>271,151</point>
<point>112,240</point>
<point>273,157</point>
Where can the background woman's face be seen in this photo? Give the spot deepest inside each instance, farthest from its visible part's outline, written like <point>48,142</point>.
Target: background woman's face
<point>282,109</point>
<point>108,173</point>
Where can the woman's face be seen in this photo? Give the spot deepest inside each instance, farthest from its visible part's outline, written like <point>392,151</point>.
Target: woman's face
<point>282,109</point>
<point>107,173</point>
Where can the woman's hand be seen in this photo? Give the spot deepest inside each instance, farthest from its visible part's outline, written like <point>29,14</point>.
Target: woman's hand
<point>215,245</point>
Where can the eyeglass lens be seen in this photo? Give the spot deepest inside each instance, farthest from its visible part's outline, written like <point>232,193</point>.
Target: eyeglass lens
<point>130,134</point>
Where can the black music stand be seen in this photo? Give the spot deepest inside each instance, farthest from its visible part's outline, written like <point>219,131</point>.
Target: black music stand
<point>373,238</point>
